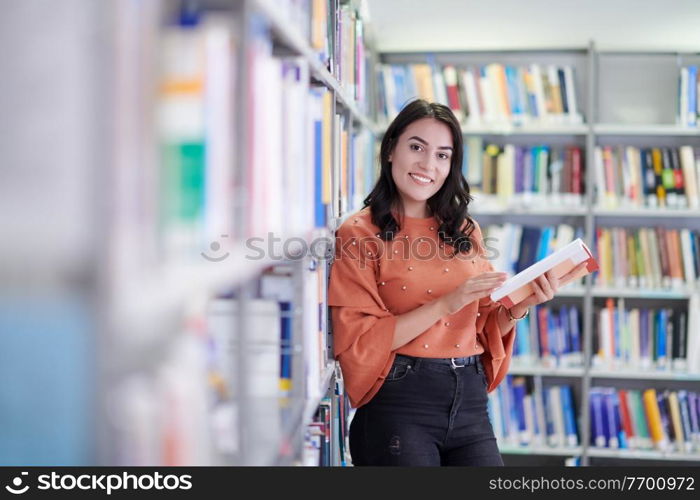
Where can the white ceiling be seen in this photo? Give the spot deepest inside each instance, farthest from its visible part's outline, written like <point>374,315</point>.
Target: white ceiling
<point>419,25</point>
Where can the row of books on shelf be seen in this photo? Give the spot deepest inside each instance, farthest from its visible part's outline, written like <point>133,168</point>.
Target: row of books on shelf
<point>663,420</point>
<point>658,258</point>
<point>632,177</point>
<point>551,337</point>
<point>326,438</point>
<point>273,335</point>
<point>489,94</point>
<point>187,411</point>
<point>688,103</point>
<point>523,415</point>
<point>196,84</point>
<point>515,247</point>
<point>288,123</point>
<point>343,51</point>
<point>525,175</point>
<point>647,338</point>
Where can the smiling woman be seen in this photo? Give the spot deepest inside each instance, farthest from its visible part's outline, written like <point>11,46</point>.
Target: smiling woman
<point>419,341</point>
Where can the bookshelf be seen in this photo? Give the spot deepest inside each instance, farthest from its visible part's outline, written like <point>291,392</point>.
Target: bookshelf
<point>206,268</point>
<point>627,98</point>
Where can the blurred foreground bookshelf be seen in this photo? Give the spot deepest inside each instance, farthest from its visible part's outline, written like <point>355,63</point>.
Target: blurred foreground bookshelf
<point>177,316</point>
<point>600,144</point>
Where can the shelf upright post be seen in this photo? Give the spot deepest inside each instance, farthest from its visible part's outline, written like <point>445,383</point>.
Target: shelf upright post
<point>588,311</point>
<point>246,290</point>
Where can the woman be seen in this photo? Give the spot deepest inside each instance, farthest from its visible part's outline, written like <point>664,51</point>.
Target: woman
<point>418,339</point>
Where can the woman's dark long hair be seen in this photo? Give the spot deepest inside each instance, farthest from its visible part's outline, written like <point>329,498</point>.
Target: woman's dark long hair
<point>449,205</point>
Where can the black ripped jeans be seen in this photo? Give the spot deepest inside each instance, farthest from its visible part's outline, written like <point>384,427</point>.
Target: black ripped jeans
<point>427,413</point>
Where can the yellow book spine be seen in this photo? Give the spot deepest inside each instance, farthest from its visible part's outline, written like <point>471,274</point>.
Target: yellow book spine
<point>656,430</point>
<point>658,173</point>
<point>676,420</point>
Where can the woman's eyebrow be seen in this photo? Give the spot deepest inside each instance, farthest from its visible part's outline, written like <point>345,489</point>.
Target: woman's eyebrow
<point>426,142</point>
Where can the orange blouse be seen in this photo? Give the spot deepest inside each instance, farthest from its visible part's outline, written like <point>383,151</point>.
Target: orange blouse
<point>373,281</point>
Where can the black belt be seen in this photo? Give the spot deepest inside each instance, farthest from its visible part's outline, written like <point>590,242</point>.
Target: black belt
<point>454,362</point>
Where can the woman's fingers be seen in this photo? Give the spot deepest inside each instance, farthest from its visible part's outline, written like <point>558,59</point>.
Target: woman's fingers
<point>571,274</point>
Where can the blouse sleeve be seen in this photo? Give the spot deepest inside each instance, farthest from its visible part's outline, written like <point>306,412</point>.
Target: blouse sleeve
<point>363,328</point>
<point>498,345</point>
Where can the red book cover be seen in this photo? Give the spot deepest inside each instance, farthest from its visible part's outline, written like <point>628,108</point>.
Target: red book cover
<point>625,414</point>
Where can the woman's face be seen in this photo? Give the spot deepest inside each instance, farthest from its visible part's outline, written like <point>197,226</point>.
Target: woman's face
<point>421,160</point>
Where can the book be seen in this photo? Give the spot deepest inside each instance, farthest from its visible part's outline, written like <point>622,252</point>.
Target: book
<point>519,287</point>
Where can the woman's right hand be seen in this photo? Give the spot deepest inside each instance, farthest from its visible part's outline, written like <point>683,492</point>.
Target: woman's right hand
<point>472,289</point>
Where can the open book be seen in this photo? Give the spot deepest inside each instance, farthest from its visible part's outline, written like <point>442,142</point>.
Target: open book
<point>516,288</point>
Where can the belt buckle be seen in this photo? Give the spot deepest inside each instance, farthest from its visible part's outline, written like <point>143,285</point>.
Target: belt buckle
<point>454,365</point>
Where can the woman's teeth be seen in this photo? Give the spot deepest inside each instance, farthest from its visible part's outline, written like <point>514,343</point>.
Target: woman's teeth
<point>420,179</point>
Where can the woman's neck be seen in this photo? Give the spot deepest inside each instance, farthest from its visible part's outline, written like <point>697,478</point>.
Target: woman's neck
<point>418,211</point>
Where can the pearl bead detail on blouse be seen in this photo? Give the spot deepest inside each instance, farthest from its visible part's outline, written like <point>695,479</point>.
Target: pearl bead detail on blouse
<point>403,287</point>
<point>429,290</point>
<point>456,345</point>
<point>410,268</point>
<point>425,346</point>
<point>447,323</point>
<point>432,228</point>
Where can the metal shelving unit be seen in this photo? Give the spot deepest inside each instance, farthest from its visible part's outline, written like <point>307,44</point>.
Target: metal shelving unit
<point>598,127</point>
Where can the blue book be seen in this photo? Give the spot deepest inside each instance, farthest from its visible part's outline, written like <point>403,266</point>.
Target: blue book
<point>616,326</point>
<point>575,329</point>
<point>598,436</point>
<point>569,416</point>
<point>685,419</point>
<point>528,247</point>
<point>661,337</point>
<point>465,161</point>
<point>528,171</point>
<point>516,107</point>
<point>565,330</point>
<point>549,435</point>
<point>520,153</point>
<point>320,207</point>
<point>519,405</point>
<point>286,346</point>
<point>692,95</point>
<point>400,94</point>
<point>694,414</point>
<point>621,434</point>
<point>522,339</point>
<point>611,435</point>
<point>644,334</point>
<point>545,242</point>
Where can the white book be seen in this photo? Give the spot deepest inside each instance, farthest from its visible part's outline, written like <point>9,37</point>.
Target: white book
<point>557,415</point>
<point>439,90</point>
<point>574,116</point>
<point>518,287</point>
<point>470,94</point>
<point>536,73</point>
<point>694,338</point>
<point>634,338</point>
<point>688,264</point>
<point>687,158</point>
